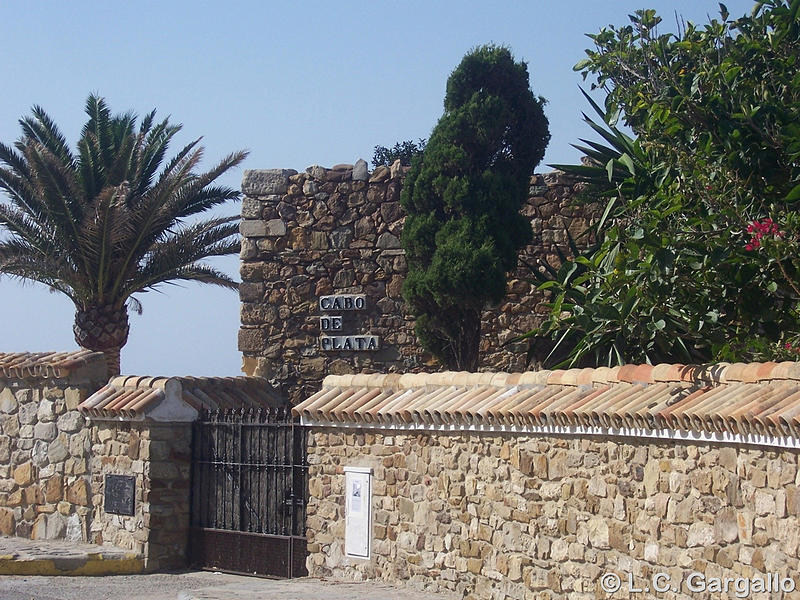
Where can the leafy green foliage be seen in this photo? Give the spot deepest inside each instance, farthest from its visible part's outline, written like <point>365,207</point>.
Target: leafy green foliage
<point>675,275</point>
<point>108,221</point>
<point>462,197</point>
<point>404,151</point>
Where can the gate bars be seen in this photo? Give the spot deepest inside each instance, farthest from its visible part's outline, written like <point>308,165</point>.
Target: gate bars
<point>249,487</point>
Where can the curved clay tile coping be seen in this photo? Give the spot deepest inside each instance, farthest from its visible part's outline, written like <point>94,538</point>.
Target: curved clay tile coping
<point>616,394</point>
<point>446,404</point>
<point>391,381</point>
<point>360,397</point>
<point>769,396</point>
<point>332,381</point>
<point>507,406</point>
<point>736,395</point>
<point>383,412</point>
<point>208,402</point>
<point>652,396</point>
<point>322,409</point>
<point>516,409</point>
<point>192,400</point>
<point>125,399</point>
<point>481,412</point>
<point>500,379</point>
<point>310,406</point>
<point>692,417</point>
<point>406,410</point>
<point>429,407</point>
<point>671,414</point>
<point>562,413</point>
<point>699,415</point>
<point>542,414</point>
<point>537,414</point>
<point>299,408</point>
<point>411,380</point>
<point>534,377</point>
<point>605,375</point>
<point>786,370</point>
<point>611,413</point>
<point>570,376</point>
<point>569,411</point>
<point>151,397</point>
<point>393,411</point>
<point>578,413</point>
<point>352,410</point>
<point>626,373</point>
<point>556,377</point>
<point>663,417</point>
<point>471,412</point>
<point>362,379</point>
<point>96,398</point>
<point>734,372</point>
<point>645,416</point>
<point>787,418</point>
<point>460,406</point>
<point>787,399</point>
<point>109,400</point>
<point>367,412</point>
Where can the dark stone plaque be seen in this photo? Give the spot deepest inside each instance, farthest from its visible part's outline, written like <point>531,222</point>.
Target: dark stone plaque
<point>120,495</point>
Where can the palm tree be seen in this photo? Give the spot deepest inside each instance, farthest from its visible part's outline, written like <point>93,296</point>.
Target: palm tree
<point>105,223</point>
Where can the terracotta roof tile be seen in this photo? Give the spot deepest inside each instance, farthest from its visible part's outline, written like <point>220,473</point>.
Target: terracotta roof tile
<point>761,398</point>
<point>179,398</point>
<point>47,364</point>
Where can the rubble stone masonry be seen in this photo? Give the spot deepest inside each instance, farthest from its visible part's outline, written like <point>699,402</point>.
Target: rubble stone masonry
<point>45,451</point>
<point>53,464</point>
<point>337,231</point>
<point>158,455</point>
<point>523,516</point>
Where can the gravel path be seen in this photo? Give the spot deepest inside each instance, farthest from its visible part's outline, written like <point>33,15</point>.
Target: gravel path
<point>198,585</point>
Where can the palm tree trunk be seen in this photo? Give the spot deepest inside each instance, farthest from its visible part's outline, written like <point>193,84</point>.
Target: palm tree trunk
<point>112,362</point>
<point>104,329</point>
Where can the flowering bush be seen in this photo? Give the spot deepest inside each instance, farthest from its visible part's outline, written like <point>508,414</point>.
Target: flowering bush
<point>758,229</point>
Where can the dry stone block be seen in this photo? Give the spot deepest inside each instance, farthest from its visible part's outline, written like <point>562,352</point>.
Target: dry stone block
<point>360,172</point>
<point>252,229</point>
<point>27,413</point>
<point>8,402</point>
<point>57,451</point>
<point>263,182</point>
<point>45,431</point>
<point>275,228</point>
<point>23,474</point>
<point>8,523</point>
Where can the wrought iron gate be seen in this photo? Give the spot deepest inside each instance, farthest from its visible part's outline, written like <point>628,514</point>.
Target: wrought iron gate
<point>249,482</point>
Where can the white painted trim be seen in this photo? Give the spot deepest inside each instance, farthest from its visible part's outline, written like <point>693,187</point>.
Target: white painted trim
<point>367,470</point>
<point>753,439</point>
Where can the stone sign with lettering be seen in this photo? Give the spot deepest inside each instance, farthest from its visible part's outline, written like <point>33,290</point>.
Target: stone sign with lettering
<point>343,302</point>
<point>349,342</point>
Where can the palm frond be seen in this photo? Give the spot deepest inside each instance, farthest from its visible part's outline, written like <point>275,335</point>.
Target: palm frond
<point>109,220</point>
<point>43,129</point>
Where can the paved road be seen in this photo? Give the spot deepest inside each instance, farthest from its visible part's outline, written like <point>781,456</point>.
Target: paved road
<point>197,585</point>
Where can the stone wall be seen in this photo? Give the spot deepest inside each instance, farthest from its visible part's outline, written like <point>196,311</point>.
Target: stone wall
<point>158,455</point>
<point>523,516</point>
<point>45,451</point>
<point>334,231</point>
<point>54,462</point>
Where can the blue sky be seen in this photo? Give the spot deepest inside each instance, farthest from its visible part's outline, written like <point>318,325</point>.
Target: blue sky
<point>296,84</point>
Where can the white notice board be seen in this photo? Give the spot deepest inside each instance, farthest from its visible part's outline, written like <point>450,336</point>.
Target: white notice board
<point>358,511</point>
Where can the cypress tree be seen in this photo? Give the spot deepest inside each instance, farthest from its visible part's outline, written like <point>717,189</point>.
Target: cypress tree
<point>462,197</point>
